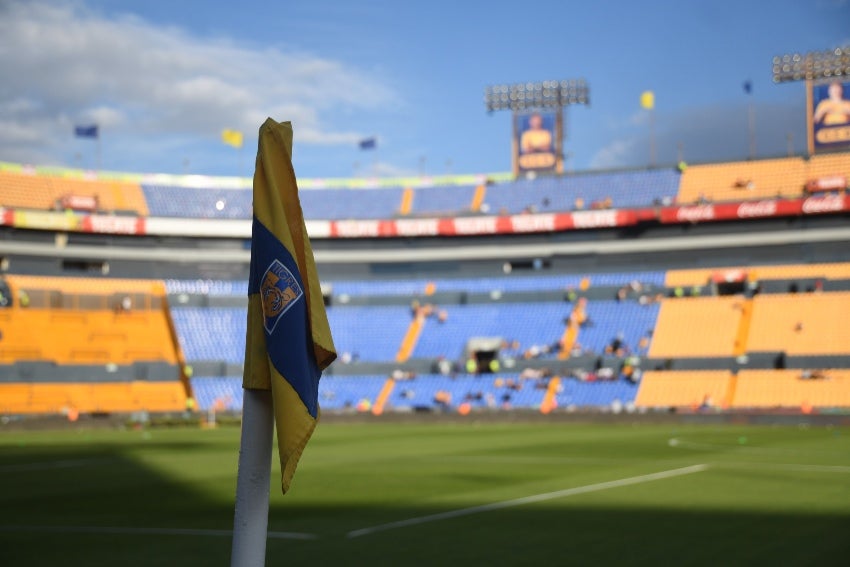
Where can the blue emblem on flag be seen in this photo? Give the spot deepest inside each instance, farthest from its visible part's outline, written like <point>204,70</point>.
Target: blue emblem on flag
<point>279,291</point>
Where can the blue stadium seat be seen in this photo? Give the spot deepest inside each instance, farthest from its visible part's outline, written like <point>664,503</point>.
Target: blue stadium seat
<point>443,200</point>
<point>551,194</point>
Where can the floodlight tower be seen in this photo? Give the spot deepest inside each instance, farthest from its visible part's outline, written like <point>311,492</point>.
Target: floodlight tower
<point>812,67</point>
<point>523,98</point>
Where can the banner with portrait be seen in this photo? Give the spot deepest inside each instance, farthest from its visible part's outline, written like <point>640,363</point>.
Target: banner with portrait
<point>829,116</point>
<point>537,144</point>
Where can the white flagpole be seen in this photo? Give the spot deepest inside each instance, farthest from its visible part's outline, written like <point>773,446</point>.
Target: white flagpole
<point>251,517</point>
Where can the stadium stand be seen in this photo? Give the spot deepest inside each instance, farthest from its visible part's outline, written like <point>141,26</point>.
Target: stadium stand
<point>689,277</point>
<point>442,201</point>
<point>30,191</point>
<point>94,345</point>
<point>758,179</point>
<point>663,389</point>
<point>792,389</point>
<point>623,189</point>
<point>803,323</point>
<point>530,324</point>
<point>712,324</point>
<point>195,202</point>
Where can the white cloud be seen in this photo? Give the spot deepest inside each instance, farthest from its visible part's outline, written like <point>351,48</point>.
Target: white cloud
<point>62,64</point>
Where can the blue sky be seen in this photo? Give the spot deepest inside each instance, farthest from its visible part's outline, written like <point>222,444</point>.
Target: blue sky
<point>163,78</point>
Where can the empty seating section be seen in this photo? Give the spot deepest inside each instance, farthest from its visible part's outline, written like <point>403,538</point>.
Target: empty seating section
<point>76,331</point>
<point>443,200</point>
<point>574,393</point>
<point>559,282</point>
<point>208,287</point>
<point>340,204</point>
<point>678,388</point>
<point>786,388</point>
<point>549,194</point>
<point>42,192</point>
<point>826,165</point>
<point>92,397</point>
<point>700,326</point>
<point>85,337</point>
<point>211,334</point>
<point>740,181</point>
<point>807,323</point>
<point>627,320</point>
<point>345,392</point>
<point>528,323</point>
<point>197,202</point>
<point>369,333</point>
<point>218,392</point>
<point>74,324</point>
<point>701,276</point>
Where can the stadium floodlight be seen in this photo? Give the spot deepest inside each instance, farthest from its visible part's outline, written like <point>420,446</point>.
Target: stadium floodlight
<point>542,94</point>
<point>812,66</point>
<point>550,97</point>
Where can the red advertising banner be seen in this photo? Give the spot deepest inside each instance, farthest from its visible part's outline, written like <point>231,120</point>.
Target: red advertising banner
<point>755,209</point>
<point>449,226</point>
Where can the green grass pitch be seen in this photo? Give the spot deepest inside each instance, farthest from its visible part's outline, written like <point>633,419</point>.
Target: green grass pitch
<point>446,493</point>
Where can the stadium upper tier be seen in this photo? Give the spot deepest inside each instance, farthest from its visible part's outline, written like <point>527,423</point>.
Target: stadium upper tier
<point>414,287</point>
<point>230,198</point>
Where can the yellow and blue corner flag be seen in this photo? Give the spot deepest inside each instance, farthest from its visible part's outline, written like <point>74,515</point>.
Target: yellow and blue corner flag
<point>288,341</point>
<point>232,137</point>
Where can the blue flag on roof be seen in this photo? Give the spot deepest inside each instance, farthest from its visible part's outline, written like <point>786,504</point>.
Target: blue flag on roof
<point>288,341</point>
<point>748,86</point>
<point>90,131</point>
<point>368,143</point>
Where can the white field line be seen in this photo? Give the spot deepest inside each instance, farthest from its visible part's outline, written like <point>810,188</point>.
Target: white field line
<point>528,500</point>
<point>677,443</point>
<point>145,531</point>
<point>795,467</point>
<point>48,465</point>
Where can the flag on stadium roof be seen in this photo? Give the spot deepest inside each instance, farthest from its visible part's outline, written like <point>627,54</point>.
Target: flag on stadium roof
<point>647,100</point>
<point>289,339</point>
<point>86,131</point>
<point>368,143</point>
<point>748,86</point>
<point>232,137</point>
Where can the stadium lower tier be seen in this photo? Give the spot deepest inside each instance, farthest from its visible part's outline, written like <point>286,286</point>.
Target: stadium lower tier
<point>749,389</point>
<point>764,389</point>
<point>110,397</point>
<point>429,392</point>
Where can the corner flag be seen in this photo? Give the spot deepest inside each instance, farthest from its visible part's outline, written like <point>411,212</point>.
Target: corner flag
<point>288,341</point>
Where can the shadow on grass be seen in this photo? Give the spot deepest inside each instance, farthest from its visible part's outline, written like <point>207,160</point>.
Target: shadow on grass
<point>110,486</point>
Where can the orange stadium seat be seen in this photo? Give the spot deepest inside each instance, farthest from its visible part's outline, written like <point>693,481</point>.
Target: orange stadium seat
<point>42,191</point>
<point>661,389</point>
<point>710,324</point>
<point>92,397</point>
<point>745,180</point>
<point>838,271</point>
<point>786,388</point>
<point>72,321</point>
<point>802,323</point>
<point>828,165</point>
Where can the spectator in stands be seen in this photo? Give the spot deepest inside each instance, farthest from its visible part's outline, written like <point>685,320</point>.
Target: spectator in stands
<point>443,399</point>
<point>23,298</point>
<point>835,110</point>
<point>578,204</point>
<point>442,316</point>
